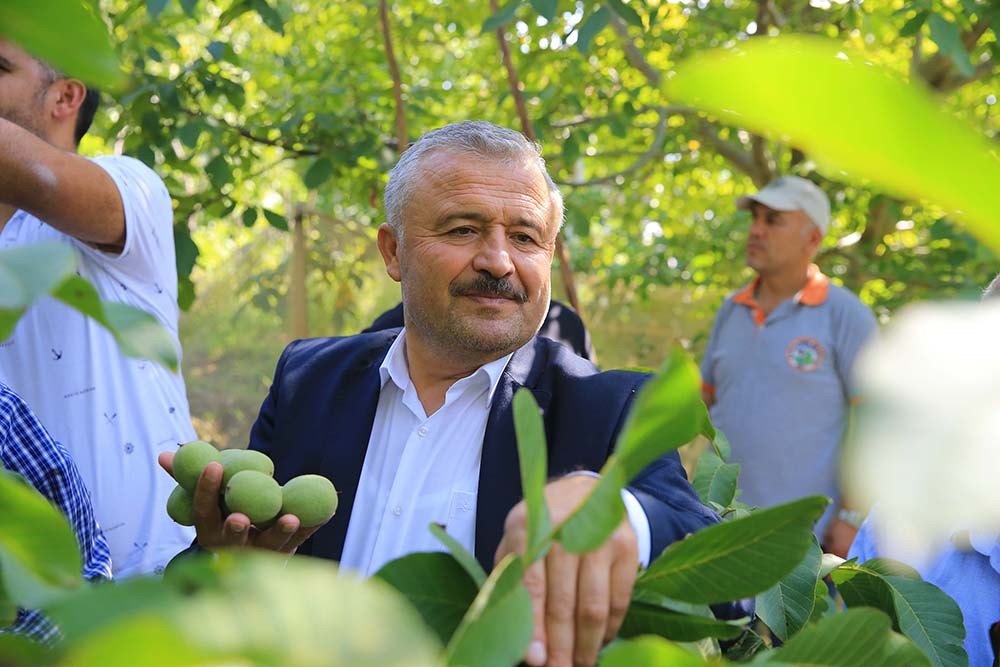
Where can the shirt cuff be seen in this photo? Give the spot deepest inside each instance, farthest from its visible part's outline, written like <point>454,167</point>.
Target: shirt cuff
<point>636,516</point>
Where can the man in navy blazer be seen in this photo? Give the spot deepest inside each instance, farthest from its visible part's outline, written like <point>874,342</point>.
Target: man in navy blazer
<point>399,419</point>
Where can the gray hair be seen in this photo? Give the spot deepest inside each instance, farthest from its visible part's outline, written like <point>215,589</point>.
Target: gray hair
<point>993,289</point>
<point>473,137</point>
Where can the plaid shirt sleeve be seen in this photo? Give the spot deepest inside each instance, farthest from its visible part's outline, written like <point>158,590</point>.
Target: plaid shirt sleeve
<point>28,449</point>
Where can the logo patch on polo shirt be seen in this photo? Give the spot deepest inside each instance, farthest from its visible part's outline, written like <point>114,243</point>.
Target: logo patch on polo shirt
<point>804,354</point>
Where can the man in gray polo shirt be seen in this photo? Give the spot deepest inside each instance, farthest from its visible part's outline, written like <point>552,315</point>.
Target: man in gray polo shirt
<point>778,362</point>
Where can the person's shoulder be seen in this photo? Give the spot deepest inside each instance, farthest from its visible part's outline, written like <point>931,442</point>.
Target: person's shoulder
<point>575,370</point>
<point>337,350</point>
<point>129,172</point>
<point>847,303</point>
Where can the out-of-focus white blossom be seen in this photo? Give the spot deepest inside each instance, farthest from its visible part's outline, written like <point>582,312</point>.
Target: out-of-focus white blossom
<point>926,446</point>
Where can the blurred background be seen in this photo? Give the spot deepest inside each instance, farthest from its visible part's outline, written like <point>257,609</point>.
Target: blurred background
<point>274,123</point>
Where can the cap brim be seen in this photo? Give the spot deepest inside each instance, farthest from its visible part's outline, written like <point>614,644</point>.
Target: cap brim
<point>775,200</point>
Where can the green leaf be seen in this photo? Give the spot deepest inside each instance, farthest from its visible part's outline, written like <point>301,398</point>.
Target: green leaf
<point>39,557</point>
<point>270,16</point>
<point>533,457</point>
<point>27,274</point>
<point>154,7</point>
<point>216,49</point>
<point>95,607</point>
<point>626,12</point>
<point>186,250</point>
<point>41,26</point>
<point>788,605</point>
<point>461,554</point>
<point>138,334</point>
<point>912,27</point>
<point>189,7</point>
<point>900,138</point>
<point>714,480</point>
<point>276,220</point>
<point>19,650</point>
<point>219,172</point>
<point>648,651</point>
<point>30,272</point>
<point>436,585</point>
<point>546,8</point>
<point>249,217</point>
<point>665,415</point>
<point>647,619</point>
<point>920,610</point>
<point>318,173</point>
<point>901,652</point>
<point>264,609</point>
<point>948,37</point>
<point>594,24</point>
<point>503,16</point>
<point>497,628</point>
<point>856,637</point>
<point>189,134</point>
<point>736,559</point>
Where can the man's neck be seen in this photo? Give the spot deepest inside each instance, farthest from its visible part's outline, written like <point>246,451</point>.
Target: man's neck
<point>6,213</point>
<point>433,373</point>
<point>775,288</point>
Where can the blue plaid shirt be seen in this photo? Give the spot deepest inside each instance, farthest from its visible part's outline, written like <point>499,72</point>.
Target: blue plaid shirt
<point>27,448</point>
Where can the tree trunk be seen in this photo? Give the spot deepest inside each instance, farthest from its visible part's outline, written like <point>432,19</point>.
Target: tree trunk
<point>298,297</point>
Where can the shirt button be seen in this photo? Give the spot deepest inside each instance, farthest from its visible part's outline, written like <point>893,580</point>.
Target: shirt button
<point>397,510</point>
<point>423,431</point>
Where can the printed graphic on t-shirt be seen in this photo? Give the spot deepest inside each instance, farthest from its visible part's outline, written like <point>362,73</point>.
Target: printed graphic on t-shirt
<point>804,354</point>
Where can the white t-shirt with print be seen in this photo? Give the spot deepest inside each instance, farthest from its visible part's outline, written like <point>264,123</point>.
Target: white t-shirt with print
<point>113,413</point>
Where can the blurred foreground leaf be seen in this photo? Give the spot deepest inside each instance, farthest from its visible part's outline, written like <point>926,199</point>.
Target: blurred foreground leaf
<point>42,27</point>
<point>854,115</point>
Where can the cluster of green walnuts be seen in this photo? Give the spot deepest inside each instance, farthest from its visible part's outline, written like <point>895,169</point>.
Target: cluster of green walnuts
<point>248,487</point>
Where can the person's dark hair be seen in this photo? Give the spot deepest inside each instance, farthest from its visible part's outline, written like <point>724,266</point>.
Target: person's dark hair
<point>86,115</point>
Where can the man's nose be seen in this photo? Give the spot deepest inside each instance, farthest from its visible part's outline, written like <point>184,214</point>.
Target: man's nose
<point>493,255</point>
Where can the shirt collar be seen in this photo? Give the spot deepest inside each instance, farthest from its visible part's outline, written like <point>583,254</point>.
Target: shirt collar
<point>813,293</point>
<point>395,367</point>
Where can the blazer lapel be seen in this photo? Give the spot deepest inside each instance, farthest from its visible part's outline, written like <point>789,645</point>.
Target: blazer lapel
<point>499,470</point>
<point>352,414</point>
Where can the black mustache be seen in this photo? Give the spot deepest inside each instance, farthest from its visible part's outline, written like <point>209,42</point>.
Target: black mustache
<point>489,286</point>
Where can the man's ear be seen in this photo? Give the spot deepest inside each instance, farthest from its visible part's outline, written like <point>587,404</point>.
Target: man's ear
<point>388,245</point>
<point>67,96</point>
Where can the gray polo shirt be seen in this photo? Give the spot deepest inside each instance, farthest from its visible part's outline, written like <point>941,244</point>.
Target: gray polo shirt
<point>782,388</point>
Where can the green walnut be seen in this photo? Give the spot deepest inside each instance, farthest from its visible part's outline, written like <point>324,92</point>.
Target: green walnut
<point>312,498</point>
<point>180,506</point>
<point>255,494</point>
<point>235,460</point>
<point>190,460</point>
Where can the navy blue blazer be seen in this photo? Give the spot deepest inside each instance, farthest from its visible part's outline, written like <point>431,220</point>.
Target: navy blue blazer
<point>318,415</point>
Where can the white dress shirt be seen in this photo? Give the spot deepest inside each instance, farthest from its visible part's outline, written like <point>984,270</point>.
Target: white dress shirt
<point>422,469</point>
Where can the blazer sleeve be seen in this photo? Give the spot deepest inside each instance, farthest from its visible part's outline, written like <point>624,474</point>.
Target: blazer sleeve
<point>262,431</point>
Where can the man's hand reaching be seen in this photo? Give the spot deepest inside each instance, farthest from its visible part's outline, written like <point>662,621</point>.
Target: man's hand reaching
<point>579,600</point>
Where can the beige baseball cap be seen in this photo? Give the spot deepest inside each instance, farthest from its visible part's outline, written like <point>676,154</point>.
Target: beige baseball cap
<point>792,193</point>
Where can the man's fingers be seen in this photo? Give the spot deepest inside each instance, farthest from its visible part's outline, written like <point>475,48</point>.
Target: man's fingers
<point>207,516</point>
<point>278,535</point>
<point>561,570</point>
<point>166,461</point>
<point>623,574</point>
<point>534,581</point>
<point>296,540</point>
<point>593,602</point>
<point>235,530</point>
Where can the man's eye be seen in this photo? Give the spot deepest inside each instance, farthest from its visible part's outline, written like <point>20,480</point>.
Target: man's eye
<point>523,238</point>
<point>462,231</point>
